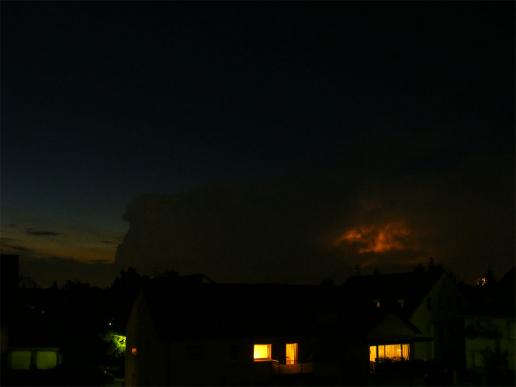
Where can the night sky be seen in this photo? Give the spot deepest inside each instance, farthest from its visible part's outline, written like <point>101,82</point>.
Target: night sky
<point>257,141</point>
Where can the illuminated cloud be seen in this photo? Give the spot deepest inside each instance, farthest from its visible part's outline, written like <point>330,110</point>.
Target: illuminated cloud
<point>307,230</point>
<point>394,236</point>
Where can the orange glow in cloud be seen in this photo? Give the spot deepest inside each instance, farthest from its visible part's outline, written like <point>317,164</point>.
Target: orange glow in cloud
<point>376,239</point>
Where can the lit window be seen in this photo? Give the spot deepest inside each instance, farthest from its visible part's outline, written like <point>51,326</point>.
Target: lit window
<point>20,360</point>
<point>134,351</point>
<point>389,351</point>
<point>405,351</point>
<point>291,353</point>
<point>262,352</point>
<point>46,360</point>
<point>393,351</point>
<point>372,353</point>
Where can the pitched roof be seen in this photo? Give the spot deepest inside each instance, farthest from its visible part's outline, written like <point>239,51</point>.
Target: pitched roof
<point>496,299</point>
<point>210,310</point>
<point>411,287</point>
<point>392,328</point>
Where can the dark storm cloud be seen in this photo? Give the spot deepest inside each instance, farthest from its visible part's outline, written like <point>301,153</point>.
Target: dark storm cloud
<point>293,230</point>
<point>231,232</point>
<point>36,232</point>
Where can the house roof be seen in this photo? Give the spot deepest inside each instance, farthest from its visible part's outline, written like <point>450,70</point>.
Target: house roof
<point>209,310</point>
<point>392,328</point>
<point>388,289</point>
<point>496,299</point>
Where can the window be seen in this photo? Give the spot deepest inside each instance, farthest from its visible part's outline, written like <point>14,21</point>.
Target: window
<point>233,352</point>
<point>478,359</point>
<point>20,360</point>
<point>392,351</point>
<point>291,353</point>
<point>372,353</point>
<point>405,351</point>
<point>389,351</point>
<point>46,360</point>
<point>262,352</point>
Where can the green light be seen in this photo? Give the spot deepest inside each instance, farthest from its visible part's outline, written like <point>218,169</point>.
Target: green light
<point>119,343</point>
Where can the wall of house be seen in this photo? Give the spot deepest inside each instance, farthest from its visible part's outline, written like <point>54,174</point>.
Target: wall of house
<point>207,362</point>
<point>390,329</point>
<point>437,317</point>
<point>486,335</point>
<point>226,361</point>
<point>340,360</point>
<point>148,365</point>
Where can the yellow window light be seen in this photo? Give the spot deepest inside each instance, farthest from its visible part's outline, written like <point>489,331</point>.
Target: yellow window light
<point>405,348</point>
<point>262,352</point>
<point>372,353</point>
<point>291,350</point>
<point>390,351</point>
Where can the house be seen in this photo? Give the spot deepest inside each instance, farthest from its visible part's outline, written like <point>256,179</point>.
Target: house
<point>490,333</point>
<point>428,299</point>
<point>364,345</point>
<point>53,336</point>
<point>209,333</point>
<point>216,334</point>
<point>30,352</point>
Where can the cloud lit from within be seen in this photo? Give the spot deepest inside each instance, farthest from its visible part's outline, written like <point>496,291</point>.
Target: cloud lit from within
<point>392,236</point>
